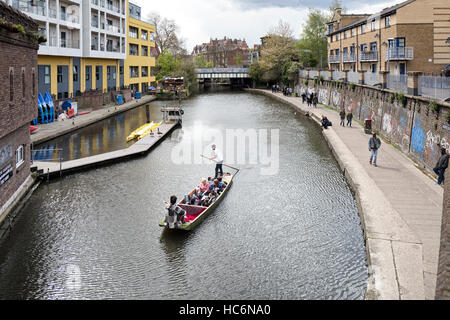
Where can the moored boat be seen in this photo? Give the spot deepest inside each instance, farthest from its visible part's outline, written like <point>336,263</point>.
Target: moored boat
<point>196,214</point>
<point>139,131</point>
<point>149,129</point>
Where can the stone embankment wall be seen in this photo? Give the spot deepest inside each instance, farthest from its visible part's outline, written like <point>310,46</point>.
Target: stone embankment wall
<point>416,125</point>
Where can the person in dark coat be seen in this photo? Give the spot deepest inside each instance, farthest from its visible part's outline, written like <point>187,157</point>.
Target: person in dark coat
<point>349,119</point>
<point>315,100</point>
<point>342,114</point>
<point>326,123</point>
<point>441,166</point>
<point>303,97</point>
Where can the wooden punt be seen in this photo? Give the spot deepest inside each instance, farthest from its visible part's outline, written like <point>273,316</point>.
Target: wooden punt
<point>196,214</point>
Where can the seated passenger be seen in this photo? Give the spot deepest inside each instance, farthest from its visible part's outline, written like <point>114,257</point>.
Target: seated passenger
<point>222,184</point>
<point>204,186</point>
<point>212,198</point>
<point>205,201</point>
<point>175,215</point>
<point>215,186</point>
<point>326,123</point>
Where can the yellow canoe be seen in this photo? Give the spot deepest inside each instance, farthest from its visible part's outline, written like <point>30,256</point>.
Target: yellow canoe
<point>139,131</point>
<point>146,132</point>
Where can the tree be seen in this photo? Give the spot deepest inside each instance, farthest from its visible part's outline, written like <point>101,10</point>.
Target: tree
<point>166,37</point>
<point>255,72</point>
<point>278,49</point>
<point>200,61</point>
<point>313,44</point>
<point>165,65</point>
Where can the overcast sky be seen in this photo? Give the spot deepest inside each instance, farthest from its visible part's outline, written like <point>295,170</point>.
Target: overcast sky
<point>200,20</point>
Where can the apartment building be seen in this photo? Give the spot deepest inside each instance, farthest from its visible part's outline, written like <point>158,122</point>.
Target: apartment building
<point>397,39</point>
<point>140,60</point>
<point>86,42</point>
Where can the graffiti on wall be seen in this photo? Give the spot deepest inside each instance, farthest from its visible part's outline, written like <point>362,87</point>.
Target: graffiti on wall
<point>418,137</point>
<point>336,99</point>
<point>387,125</point>
<point>323,96</point>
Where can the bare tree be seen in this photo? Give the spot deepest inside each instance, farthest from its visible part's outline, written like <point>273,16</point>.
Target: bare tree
<point>166,37</point>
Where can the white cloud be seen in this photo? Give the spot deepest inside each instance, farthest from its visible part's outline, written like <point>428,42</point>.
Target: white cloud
<point>200,20</point>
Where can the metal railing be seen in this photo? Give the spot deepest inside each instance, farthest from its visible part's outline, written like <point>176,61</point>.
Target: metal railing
<point>27,6</point>
<point>334,59</point>
<point>434,87</point>
<point>113,28</point>
<point>313,73</point>
<point>47,155</point>
<point>302,73</point>
<point>371,78</point>
<point>348,57</point>
<point>401,53</point>
<point>325,75</point>
<point>397,82</point>
<point>69,43</point>
<point>368,56</point>
<point>352,77</point>
<point>338,75</point>
<point>69,18</point>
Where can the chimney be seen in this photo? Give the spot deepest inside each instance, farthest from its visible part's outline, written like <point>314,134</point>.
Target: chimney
<point>338,11</point>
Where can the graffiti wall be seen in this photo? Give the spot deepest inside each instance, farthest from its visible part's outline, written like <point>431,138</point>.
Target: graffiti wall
<point>411,126</point>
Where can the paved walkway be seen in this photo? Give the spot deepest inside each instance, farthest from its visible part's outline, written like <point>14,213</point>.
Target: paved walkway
<point>411,194</point>
<point>53,130</point>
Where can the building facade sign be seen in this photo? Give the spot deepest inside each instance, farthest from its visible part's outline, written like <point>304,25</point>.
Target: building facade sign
<point>6,154</point>
<point>5,174</point>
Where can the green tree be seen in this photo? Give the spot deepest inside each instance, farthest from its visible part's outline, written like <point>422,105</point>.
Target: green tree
<point>255,72</point>
<point>278,49</point>
<point>312,48</point>
<point>209,65</point>
<point>200,61</point>
<point>165,65</point>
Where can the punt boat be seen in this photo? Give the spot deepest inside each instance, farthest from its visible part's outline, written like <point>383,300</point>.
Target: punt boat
<point>196,214</point>
<point>148,130</point>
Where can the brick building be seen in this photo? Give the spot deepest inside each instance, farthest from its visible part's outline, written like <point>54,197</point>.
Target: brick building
<point>224,53</point>
<point>405,37</point>
<point>18,95</point>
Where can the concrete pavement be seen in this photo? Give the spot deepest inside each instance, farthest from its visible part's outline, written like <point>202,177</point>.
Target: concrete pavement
<point>400,209</point>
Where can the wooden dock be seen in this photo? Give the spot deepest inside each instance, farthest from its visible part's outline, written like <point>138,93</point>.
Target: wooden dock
<point>142,147</point>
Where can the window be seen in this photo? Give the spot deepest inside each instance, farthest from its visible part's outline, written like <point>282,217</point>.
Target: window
<point>121,71</point>
<point>108,72</point>
<point>134,49</point>
<point>144,35</point>
<point>144,71</point>
<point>330,28</point>
<point>373,68</point>
<point>152,36</point>
<point>373,46</point>
<point>11,84</point>
<point>363,47</point>
<point>363,28</point>
<point>88,73</point>
<point>387,21</point>
<point>337,36</point>
<point>134,72</point>
<point>353,32</point>
<point>60,74</point>
<point>20,158</point>
<point>97,73</point>
<point>75,73</point>
<point>345,34</point>
<point>47,75</point>
<point>144,51</point>
<point>372,25</point>
<point>134,32</point>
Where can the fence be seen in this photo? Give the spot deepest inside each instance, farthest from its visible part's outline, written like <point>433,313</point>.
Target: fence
<point>352,77</point>
<point>47,154</point>
<point>313,74</point>
<point>302,73</point>
<point>325,75</point>
<point>435,87</point>
<point>397,82</point>
<point>338,75</point>
<point>371,78</point>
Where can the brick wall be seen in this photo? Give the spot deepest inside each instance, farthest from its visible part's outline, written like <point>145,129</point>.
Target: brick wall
<point>443,277</point>
<point>19,137</point>
<point>413,127</point>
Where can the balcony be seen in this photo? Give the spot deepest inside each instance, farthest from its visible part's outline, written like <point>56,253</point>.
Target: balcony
<point>368,56</point>
<point>348,57</point>
<point>113,28</point>
<point>69,18</point>
<point>334,59</point>
<point>27,6</point>
<point>400,53</point>
<point>71,44</point>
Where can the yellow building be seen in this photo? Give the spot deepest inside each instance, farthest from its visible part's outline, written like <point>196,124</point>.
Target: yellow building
<point>139,63</point>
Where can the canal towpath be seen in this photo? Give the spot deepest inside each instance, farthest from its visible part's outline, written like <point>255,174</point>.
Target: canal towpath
<point>56,129</point>
<point>400,209</point>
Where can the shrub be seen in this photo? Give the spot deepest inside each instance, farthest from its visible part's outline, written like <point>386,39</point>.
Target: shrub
<point>19,28</point>
<point>434,106</point>
<point>306,82</point>
<point>391,98</point>
<point>352,86</point>
<point>401,98</point>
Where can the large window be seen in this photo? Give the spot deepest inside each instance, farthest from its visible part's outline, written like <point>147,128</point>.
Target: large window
<point>75,73</point>
<point>152,36</point>
<point>60,74</point>
<point>134,32</point>
<point>372,25</point>
<point>20,156</point>
<point>373,46</point>
<point>363,28</point>
<point>97,73</point>
<point>47,75</point>
<point>144,35</point>
<point>144,71</point>
<point>387,21</point>
<point>144,51</point>
<point>134,49</point>
<point>134,72</point>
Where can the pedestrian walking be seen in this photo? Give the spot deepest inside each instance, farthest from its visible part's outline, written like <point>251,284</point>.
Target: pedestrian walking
<point>315,100</point>
<point>303,97</point>
<point>349,119</point>
<point>342,114</point>
<point>309,99</point>
<point>374,146</point>
<point>441,166</point>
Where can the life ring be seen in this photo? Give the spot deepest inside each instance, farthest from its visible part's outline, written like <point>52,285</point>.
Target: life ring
<point>181,112</point>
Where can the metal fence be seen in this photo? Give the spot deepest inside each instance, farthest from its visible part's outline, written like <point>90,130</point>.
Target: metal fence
<point>302,73</point>
<point>352,77</point>
<point>397,82</point>
<point>325,75</point>
<point>338,75</point>
<point>435,87</point>
<point>313,74</point>
<point>371,78</point>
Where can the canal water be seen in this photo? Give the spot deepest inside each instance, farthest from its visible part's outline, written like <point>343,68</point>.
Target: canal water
<point>294,235</point>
